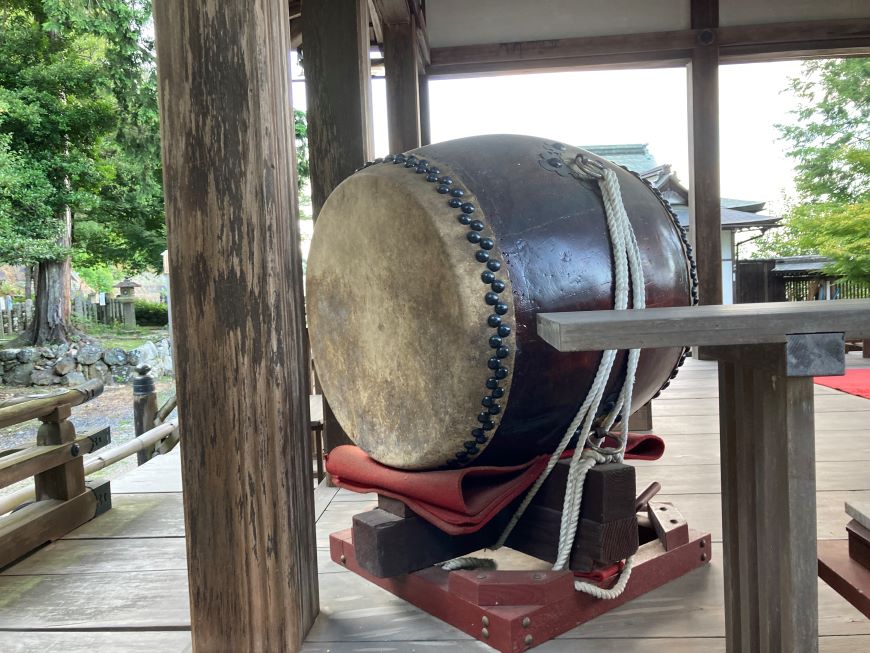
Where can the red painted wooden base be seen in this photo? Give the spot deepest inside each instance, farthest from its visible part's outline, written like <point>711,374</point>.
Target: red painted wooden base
<point>845,574</point>
<point>515,610</point>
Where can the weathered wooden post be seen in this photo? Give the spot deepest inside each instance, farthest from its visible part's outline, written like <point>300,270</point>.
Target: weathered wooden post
<point>340,137</point>
<point>237,308</point>
<point>144,408</point>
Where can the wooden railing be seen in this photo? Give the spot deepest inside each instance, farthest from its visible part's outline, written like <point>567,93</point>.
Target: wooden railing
<point>64,500</point>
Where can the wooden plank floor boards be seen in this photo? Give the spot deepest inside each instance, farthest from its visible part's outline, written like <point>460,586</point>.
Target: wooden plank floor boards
<point>86,592</point>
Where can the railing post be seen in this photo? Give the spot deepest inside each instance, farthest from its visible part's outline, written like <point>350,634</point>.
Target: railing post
<point>144,408</point>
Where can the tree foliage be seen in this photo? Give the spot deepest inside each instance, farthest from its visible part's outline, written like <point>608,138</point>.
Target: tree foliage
<point>78,114</point>
<point>830,142</point>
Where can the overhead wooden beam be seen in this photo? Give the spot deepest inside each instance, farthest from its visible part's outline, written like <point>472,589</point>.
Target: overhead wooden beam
<point>237,304</point>
<point>403,101</point>
<point>705,230</point>
<point>337,71</point>
<point>736,44</point>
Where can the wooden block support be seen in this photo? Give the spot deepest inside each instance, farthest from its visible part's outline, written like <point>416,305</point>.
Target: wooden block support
<point>859,543</point>
<point>392,540</point>
<point>669,524</point>
<point>388,545</point>
<point>236,282</point>
<point>67,480</point>
<point>641,419</point>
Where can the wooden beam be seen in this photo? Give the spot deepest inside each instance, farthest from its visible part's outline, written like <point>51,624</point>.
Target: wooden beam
<point>734,324</point>
<point>705,229</point>
<point>340,138</point>
<point>673,46</point>
<point>227,144</point>
<point>403,102</point>
<point>767,42</point>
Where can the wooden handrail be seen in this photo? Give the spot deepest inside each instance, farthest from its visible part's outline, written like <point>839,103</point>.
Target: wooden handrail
<point>22,409</point>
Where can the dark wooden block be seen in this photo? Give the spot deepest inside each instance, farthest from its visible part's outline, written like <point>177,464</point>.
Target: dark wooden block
<point>387,545</point>
<point>859,543</point>
<point>596,544</point>
<point>608,542</point>
<point>608,493</point>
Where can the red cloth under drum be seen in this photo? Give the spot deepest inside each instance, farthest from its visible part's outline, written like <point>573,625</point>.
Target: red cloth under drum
<point>458,501</point>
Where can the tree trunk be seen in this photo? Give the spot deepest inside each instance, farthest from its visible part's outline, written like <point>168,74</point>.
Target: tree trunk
<point>52,306</point>
<point>29,278</point>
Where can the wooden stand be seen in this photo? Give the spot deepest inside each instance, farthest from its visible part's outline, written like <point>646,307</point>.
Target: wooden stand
<point>768,354</point>
<point>516,610</point>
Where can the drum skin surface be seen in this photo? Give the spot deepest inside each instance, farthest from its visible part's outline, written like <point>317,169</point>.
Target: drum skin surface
<point>425,276</point>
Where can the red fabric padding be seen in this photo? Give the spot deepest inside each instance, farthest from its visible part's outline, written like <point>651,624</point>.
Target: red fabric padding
<point>457,501</point>
<point>855,382</point>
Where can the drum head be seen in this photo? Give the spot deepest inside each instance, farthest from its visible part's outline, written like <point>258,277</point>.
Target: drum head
<point>394,291</point>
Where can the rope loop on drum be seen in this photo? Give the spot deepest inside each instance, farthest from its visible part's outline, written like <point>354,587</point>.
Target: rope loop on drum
<point>629,282</point>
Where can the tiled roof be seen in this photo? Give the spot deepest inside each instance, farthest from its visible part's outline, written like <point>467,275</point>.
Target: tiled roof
<point>634,156</point>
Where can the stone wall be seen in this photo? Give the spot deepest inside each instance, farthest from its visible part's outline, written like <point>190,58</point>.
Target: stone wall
<point>74,364</point>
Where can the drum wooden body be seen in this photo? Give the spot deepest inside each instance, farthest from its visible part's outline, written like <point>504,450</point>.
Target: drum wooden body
<point>425,276</point>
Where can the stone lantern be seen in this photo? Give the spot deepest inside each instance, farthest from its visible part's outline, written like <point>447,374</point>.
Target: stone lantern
<point>126,299</point>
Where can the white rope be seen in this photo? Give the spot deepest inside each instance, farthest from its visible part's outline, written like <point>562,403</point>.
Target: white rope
<point>628,273</point>
<point>469,563</point>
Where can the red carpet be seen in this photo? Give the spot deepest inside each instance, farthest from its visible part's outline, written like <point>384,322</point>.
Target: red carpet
<point>854,382</point>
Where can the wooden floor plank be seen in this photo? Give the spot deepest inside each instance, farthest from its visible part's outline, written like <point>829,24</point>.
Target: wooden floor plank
<point>89,642</point>
<point>131,600</point>
<point>72,557</point>
<point>705,478</point>
<point>835,644</point>
<point>137,515</point>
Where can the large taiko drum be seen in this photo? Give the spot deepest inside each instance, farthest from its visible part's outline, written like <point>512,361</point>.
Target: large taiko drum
<point>425,276</point>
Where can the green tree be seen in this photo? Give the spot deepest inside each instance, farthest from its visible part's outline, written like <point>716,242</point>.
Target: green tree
<point>54,109</point>
<point>79,156</point>
<point>830,142</point>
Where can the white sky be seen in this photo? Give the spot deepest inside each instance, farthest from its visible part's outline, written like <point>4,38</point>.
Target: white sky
<point>630,106</point>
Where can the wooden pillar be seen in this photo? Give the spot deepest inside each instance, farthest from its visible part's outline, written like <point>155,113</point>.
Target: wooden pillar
<point>403,101</point>
<point>425,121</point>
<point>338,92</point>
<point>704,195</point>
<point>769,489</point>
<point>236,284</point>
<point>338,89</point>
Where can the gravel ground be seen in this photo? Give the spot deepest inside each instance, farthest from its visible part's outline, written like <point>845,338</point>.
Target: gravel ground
<point>113,408</point>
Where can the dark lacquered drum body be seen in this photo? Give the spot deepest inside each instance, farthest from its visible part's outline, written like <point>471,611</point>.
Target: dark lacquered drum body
<point>425,276</point>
